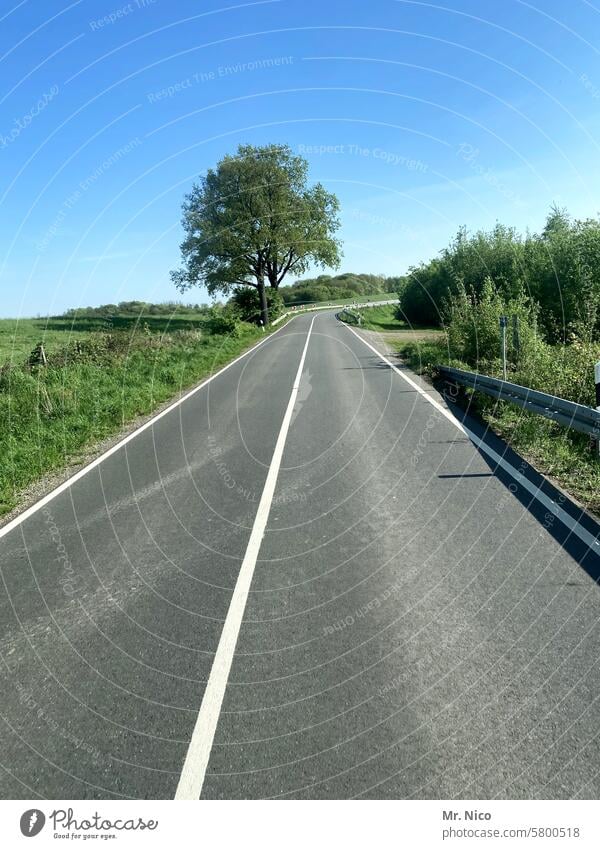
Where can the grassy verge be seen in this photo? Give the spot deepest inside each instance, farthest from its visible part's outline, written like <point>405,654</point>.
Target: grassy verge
<point>381,318</point>
<point>19,336</point>
<point>393,331</point>
<point>556,451</point>
<point>91,388</point>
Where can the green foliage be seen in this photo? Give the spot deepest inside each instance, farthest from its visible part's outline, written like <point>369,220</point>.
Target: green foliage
<point>255,217</point>
<point>136,308</point>
<point>351,317</point>
<point>473,325</point>
<point>223,321</point>
<point>19,337</point>
<point>562,370</point>
<point>342,287</point>
<point>245,303</point>
<point>90,387</point>
<point>558,269</point>
<point>381,318</point>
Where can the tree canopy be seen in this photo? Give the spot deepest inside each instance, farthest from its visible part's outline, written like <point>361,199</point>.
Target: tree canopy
<point>254,218</point>
<point>559,270</point>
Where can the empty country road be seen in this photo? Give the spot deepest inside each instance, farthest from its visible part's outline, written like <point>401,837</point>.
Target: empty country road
<point>306,580</point>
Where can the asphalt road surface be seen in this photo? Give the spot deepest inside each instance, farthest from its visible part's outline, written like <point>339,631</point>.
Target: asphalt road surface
<point>304,581</point>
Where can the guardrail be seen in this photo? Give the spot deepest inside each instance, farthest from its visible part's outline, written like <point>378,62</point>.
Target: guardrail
<point>568,413</point>
<point>331,307</point>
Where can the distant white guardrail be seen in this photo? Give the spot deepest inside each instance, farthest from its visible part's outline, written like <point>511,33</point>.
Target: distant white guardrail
<point>333,307</point>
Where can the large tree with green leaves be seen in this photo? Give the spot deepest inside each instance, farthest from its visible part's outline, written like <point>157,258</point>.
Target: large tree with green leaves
<point>254,219</point>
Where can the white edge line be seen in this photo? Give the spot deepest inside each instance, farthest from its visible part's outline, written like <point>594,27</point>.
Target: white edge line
<point>593,542</point>
<point>10,526</point>
<point>200,747</point>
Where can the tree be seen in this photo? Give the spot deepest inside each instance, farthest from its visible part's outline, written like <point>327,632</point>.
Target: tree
<point>254,218</point>
<point>557,222</point>
<point>245,302</point>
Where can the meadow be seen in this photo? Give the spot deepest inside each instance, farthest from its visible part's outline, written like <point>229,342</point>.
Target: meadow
<point>18,337</point>
<point>101,372</point>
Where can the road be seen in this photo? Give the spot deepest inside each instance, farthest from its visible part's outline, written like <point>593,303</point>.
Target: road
<point>414,623</point>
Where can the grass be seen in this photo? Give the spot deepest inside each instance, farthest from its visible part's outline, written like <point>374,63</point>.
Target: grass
<point>50,416</point>
<point>381,318</point>
<point>359,299</point>
<point>556,451</point>
<point>395,332</point>
<point>18,337</point>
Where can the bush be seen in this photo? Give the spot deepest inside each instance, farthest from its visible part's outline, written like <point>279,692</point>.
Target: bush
<point>559,269</point>
<point>245,302</point>
<point>473,325</point>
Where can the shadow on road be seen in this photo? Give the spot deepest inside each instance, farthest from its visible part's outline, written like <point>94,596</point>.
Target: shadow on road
<point>570,542</point>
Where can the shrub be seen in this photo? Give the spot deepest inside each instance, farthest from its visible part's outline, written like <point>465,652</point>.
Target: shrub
<point>473,325</point>
<point>245,302</point>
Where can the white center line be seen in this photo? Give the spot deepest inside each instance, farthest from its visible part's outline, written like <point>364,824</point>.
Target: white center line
<point>198,754</point>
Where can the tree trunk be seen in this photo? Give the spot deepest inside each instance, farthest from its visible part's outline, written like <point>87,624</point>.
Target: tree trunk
<point>264,310</point>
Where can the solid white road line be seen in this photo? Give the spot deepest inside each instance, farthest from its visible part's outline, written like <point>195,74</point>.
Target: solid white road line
<point>572,524</point>
<point>6,529</point>
<point>198,754</point>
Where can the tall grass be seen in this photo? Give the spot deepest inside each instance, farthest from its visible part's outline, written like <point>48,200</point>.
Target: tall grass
<point>90,388</point>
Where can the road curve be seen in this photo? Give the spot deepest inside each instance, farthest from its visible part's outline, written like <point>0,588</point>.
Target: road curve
<point>416,625</point>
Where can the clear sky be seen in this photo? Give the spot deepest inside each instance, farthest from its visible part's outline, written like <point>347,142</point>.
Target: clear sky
<point>420,116</point>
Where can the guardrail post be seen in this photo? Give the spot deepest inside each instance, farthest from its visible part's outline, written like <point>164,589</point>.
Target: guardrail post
<point>597,382</point>
<point>503,323</point>
<point>516,335</point>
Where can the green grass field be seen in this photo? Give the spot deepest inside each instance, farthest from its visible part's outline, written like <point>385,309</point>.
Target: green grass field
<point>394,331</point>
<point>52,416</point>
<point>18,337</point>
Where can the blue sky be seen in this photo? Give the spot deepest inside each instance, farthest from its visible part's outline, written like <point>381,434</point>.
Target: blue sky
<point>422,117</point>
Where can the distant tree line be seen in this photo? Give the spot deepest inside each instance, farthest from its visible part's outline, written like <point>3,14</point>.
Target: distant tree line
<point>135,308</point>
<point>339,287</point>
<point>557,271</point>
